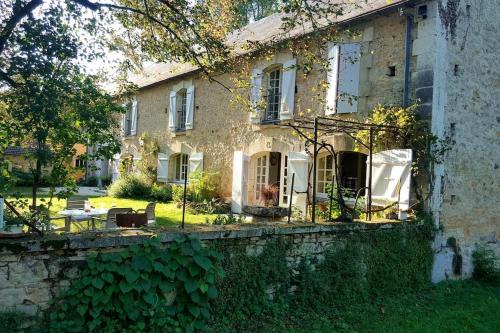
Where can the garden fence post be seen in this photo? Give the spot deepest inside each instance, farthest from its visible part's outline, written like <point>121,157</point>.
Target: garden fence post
<point>290,198</point>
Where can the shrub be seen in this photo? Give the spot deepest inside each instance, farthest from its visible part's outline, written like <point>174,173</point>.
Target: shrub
<point>484,265</point>
<point>161,193</point>
<point>178,193</point>
<point>141,289</point>
<point>203,186</point>
<point>228,219</point>
<point>23,178</point>
<point>213,206</point>
<point>130,186</point>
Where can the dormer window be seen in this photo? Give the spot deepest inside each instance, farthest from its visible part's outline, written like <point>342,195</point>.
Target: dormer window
<point>273,98</point>
<point>181,110</point>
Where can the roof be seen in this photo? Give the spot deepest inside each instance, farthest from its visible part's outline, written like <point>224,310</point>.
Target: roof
<point>262,31</point>
<point>17,151</point>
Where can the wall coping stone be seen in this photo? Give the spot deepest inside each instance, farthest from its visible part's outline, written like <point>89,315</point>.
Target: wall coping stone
<point>121,238</point>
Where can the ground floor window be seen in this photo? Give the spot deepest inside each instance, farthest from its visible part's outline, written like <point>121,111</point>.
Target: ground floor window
<point>181,167</point>
<point>325,172</point>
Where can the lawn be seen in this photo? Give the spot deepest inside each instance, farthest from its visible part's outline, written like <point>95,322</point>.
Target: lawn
<point>447,307</point>
<point>167,214</point>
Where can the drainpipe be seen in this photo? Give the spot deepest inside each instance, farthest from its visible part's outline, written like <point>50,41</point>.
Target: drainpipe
<point>406,88</point>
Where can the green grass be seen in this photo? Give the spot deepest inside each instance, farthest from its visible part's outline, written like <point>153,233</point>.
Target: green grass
<point>167,214</point>
<point>448,307</point>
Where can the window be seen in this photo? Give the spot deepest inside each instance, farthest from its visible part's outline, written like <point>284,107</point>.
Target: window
<point>325,172</point>
<point>273,97</point>
<point>181,110</point>
<point>80,163</point>
<point>181,167</point>
<point>128,120</point>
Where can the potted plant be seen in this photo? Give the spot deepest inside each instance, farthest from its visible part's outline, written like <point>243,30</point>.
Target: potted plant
<point>12,224</point>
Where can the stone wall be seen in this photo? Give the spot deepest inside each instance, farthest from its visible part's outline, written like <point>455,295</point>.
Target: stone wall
<point>32,272</point>
<point>463,54</point>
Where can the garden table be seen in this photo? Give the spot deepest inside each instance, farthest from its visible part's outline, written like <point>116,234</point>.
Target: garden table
<point>79,215</point>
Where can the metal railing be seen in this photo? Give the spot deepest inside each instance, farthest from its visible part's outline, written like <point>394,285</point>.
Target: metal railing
<point>272,112</point>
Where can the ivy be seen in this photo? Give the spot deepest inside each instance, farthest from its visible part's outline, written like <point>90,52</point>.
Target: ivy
<point>272,287</point>
<point>142,289</point>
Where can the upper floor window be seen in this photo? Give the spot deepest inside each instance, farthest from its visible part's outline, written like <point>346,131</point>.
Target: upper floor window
<point>273,97</point>
<point>80,162</point>
<point>181,110</point>
<point>181,167</point>
<point>129,119</point>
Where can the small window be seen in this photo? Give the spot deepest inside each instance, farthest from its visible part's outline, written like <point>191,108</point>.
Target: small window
<point>181,167</point>
<point>128,120</point>
<point>325,172</point>
<point>273,97</point>
<point>80,163</point>
<point>181,110</point>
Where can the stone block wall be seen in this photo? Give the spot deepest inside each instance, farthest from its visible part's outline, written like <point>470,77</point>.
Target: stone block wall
<point>32,272</point>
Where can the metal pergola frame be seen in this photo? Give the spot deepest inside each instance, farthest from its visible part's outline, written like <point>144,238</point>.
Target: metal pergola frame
<point>319,127</point>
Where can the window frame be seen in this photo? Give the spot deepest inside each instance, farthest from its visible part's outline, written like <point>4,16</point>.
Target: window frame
<point>323,170</point>
<point>274,87</point>
<point>181,167</point>
<point>181,110</point>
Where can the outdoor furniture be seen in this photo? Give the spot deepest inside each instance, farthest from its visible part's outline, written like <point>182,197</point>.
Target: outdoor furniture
<point>131,220</point>
<point>150,212</point>
<point>110,221</point>
<point>76,216</point>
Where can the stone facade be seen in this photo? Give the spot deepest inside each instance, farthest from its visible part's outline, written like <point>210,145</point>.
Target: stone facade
<point>223,126</point>
<point>454,73</point>
<point>31,278</point>
<point>465,109</point>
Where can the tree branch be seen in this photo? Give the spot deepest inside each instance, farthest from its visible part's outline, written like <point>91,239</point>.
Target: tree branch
<point>17,15</point>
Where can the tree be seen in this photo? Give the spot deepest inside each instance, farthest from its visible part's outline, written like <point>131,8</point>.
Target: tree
<point>160,30</point>
<point>53,105</point>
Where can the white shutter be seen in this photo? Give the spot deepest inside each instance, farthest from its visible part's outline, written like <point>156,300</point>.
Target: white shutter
<point>391,174</point>
<point>288,90</point>
<point>189,107</point>
<point>195,162</point>
<point>298,165</point>
<point>162,168</point>
<point>172,111</point>
<point>332,78</point>
<point>255,94</point>
<point>133,118</point>
<point>123,121</point>
<point>240,182</point>
<point>116,168</point>
<point>348,84</point>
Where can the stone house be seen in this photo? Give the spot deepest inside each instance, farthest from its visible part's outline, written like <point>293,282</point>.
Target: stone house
<point>442,52</point>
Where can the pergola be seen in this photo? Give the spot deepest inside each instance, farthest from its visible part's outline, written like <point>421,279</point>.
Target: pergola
<point>314,130</point>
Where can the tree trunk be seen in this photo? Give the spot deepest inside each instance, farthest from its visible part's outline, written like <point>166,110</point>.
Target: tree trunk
<point>36,182</point>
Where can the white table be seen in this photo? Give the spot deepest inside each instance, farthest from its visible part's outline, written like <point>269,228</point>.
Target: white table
<point>79,215</point>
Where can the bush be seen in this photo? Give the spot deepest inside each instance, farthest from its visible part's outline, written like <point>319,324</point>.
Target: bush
<point>213,206</point>
<point>228,219</point>
<point>203,186</point>
<point>161,193</point>
<point>23,178</point>
<point>484,265</point>
<point>130,186</point>
<point>145,288</point>
<point>178,193</point>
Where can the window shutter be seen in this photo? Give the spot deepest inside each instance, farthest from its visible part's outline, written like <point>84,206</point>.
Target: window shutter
<point>332,78</point>
<point>133,118</point>
<point>240,182</point>
<point>255,94</point>
<point>288,90</point>
<point>298,165</point>
<point>195,162</point>
<point>116,167</point>
<point>391,174</point>
<point>162,169</point>
<point>172,111</point>
<point>189,107</point>
<point>348,84</point>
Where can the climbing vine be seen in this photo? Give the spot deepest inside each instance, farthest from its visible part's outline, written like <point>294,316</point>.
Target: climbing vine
<point>413,133</point>
<point>142,289</point>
